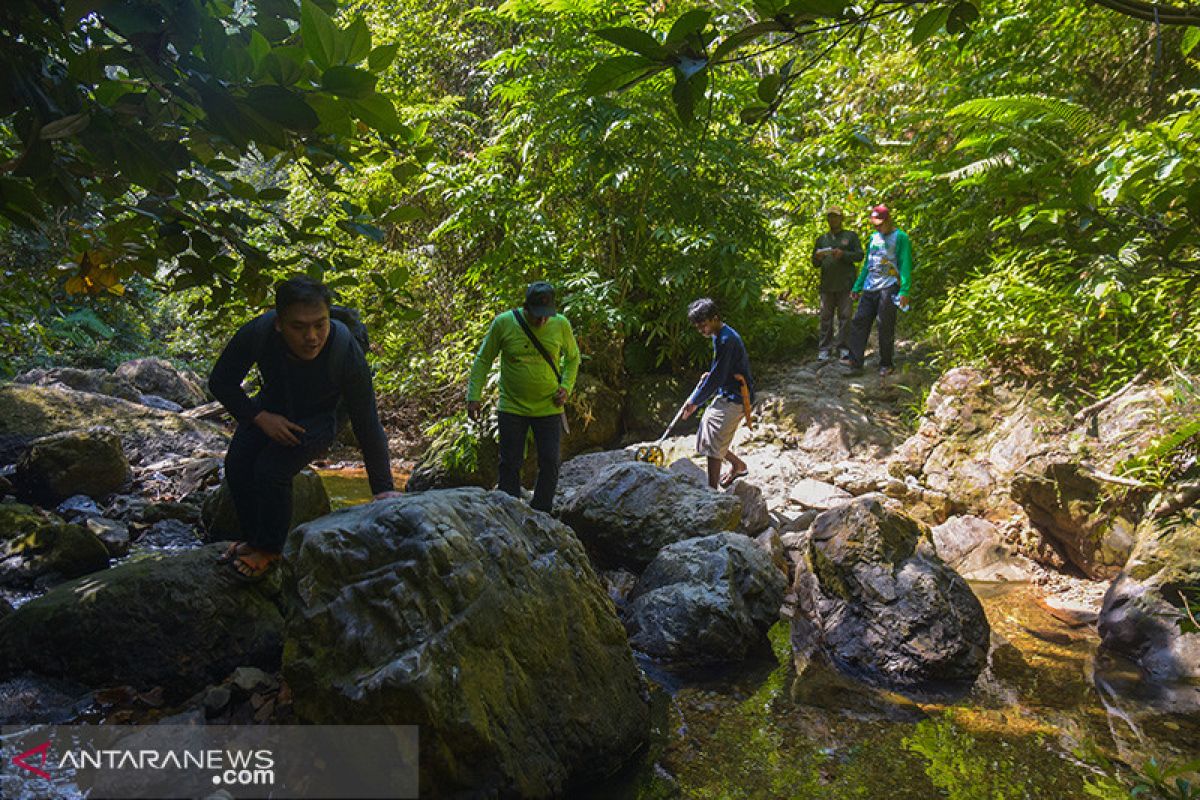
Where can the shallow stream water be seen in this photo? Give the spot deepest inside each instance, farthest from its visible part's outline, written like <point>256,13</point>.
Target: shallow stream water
<point>1037,723</point>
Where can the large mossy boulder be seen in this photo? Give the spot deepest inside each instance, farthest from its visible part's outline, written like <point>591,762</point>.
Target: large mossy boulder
<point>875,601</point>
<point>176,621</point>
<point>1092,527</point>
<point>147,435</point>
<point>159,377</point>
<point>630,510</point>
<point>1143,616</point>
<point>309,501</point>
<point>95,381</point>
<point>466,613</point>
<point>708,599</point>
<point>89,462</point>
<point>35,543</point>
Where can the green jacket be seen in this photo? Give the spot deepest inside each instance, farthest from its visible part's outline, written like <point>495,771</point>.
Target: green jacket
<point>889,261</point>
<point>527,384</point>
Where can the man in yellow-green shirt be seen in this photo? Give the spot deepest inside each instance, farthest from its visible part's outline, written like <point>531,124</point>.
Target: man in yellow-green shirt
<point>534,384</point>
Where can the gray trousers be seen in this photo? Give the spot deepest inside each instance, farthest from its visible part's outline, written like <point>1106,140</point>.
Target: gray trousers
<point>838,303</point>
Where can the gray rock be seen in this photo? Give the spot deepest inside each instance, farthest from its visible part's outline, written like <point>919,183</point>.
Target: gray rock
<point>755,516</point>
<point>161,403</point>
<point>216,700</point>
<point>309,501</point>
<point>575,473</point>
<point>61,465</point>
<point>630,511</point>
<point>147,435</point>
<point>176,621</point>
<point>708,599</point>
<point>1142,616</point>
<point>35,700</point>
<point>818,495</point>
<point>36,544</point>
<point>690,470</point>
<point>93,381</point>
<point>771,543</point>
<point>168,534</point>
<point>252,679</point>
<point>156,376</point>
<point>78,508</point>
<point>876,602</point>
<point>974,548</point>
<point>475,617</point>
<point>114,534</point>
<point>1093,529</point>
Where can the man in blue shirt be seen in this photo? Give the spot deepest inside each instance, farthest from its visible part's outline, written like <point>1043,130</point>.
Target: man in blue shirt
<point>723,385</point>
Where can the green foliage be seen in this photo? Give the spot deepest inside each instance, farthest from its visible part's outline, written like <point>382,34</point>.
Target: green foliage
<point>1152,781</point>
<point>141,119</point>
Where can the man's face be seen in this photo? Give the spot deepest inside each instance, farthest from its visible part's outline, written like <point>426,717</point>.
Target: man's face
<point>305,329</point>
<point>880,223</point>
<point>835,222</point>
<point>708,327</point>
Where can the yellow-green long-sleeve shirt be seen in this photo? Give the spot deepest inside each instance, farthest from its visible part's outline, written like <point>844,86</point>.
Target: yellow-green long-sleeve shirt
<point>527,384</point>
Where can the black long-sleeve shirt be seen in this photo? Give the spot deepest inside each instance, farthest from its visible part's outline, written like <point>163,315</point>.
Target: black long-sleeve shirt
<point>306,392</point>
<point>729,359</point>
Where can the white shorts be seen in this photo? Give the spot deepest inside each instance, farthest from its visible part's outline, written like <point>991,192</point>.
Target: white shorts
<point>717,426</point>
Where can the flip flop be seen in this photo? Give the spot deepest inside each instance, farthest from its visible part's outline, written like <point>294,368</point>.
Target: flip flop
<point>230,553</point>
<point>731,476</point>
<point>252,567</point>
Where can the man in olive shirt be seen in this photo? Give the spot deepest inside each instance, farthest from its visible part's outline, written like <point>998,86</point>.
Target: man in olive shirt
<point>836,253</point>
<point>534,385</point>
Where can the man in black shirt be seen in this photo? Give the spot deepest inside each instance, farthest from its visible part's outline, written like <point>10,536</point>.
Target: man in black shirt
<point>836,253</point>
<point>308,364</point>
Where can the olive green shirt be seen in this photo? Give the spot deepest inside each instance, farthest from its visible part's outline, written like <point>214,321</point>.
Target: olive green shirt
<point>837,274</point>
<point>527,384</point>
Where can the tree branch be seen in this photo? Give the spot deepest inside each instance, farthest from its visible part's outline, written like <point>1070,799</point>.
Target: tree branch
<point>1152,12</point>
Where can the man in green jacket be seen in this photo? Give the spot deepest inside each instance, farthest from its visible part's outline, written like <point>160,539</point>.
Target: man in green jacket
<point>881,288</point>
<point>534,384</point>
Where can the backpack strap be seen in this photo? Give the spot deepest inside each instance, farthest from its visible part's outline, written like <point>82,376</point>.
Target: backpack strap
<point>537,344</point>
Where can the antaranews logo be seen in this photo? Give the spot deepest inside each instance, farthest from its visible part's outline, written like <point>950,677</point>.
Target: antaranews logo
<point>41,750</point>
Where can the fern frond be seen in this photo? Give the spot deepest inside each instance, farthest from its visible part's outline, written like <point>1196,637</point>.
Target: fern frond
<point>1005,159</point>
<point>1018,108</point>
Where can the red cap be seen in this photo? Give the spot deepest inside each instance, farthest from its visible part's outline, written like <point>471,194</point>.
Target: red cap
<point>881,211</point>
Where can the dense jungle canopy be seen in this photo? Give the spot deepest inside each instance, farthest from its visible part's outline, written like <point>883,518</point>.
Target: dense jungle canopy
<point>162,162</point>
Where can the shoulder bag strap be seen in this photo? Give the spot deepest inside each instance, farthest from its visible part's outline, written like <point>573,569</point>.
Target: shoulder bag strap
<point>525,327</point>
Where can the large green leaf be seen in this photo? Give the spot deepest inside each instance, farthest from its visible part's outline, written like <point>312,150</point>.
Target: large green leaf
<point>636,40</point>
<point>284,107</point>
<point>687,92</point>
<point>615,72</point>
<point>318,33</point>
<point>378,112</point>
<point>382,56</point>
<point>815,8</point>
<point>348,82</point>
<point>1191,38</point>
<point>745,36</point>
<point>768,87</point>
<point>929,23</point>
<point>354,43</point>
<point>688,23</point>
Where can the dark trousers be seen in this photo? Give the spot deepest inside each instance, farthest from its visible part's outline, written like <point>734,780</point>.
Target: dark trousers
<point>872,306</point>
<point>547,435</point>
<point>832,303</point>
<point>259,473</point>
